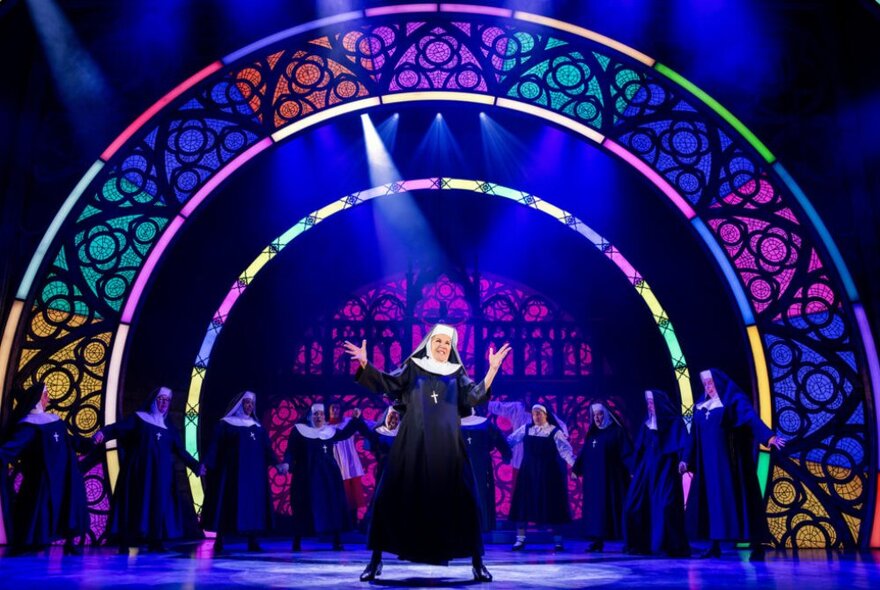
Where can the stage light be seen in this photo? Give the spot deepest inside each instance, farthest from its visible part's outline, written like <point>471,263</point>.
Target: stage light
<point>439,146</point>
<point>382,168</point>
<point>502,149</point>
<point>76,74</point>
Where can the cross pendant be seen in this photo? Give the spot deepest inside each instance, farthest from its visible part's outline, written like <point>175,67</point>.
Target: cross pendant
<point>55,436</point>
<point>469,440</point>
<point>707,414</point>
<point>325,449</point>
<point>594,443</point>
<point>158,435</point>
<point>253,436</point>
<point>434,395</point>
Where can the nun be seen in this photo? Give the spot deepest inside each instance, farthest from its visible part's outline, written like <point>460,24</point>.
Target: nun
<point>482,437</point>
<point>237,495</point>
<point>146,507</point>
<point>426,507</point>
<point>51,502</point>
<point>317,495</point>
<point>654,506</point>
<point>381,437</point>
<point>349,462</point>
<point>602,463</point>
<point>725,503</point>
<point>541,492</point>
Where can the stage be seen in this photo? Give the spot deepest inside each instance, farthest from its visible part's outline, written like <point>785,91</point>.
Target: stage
<point>194,566</point>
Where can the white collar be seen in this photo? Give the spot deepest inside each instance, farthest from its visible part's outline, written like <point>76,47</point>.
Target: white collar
<point>473,420</point>
<point>710,403</point>
<point>40,418</point>
<point>436,367</point>
<point>385,431</point>
<point>154,419</point>
<point>245,422</point>
<point>325,432</point>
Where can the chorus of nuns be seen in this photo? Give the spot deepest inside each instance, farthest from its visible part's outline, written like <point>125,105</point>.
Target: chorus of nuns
<point>632,487</point>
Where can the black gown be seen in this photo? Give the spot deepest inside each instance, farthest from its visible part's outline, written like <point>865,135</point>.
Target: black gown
<point>725,500</point>
<point>602,463</point>
<point>317,494</point>
<point>237,496</point>
<point>51,502</point>
<point>654,507</point>
<point>541,492</point>
<point>481,439</point>
<point>425,508</point>
<point>146,506</point>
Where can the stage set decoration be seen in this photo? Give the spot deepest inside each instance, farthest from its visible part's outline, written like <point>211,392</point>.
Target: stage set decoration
<point>814,362</point>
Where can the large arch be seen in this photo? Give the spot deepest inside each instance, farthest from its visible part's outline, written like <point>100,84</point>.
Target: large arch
<point>69,324</point>
<point>478,187</point>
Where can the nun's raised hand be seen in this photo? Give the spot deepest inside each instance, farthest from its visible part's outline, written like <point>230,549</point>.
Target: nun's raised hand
<point>496,358</point>
<point>682,467</point>
<point>358,354</point>
<point>776,441</point>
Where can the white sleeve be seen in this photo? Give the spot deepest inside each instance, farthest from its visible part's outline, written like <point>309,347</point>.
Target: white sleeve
<point>564,447</point>
<point>517,436</point>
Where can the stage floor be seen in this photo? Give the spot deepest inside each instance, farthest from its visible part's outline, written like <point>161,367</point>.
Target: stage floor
<point>194,566</point>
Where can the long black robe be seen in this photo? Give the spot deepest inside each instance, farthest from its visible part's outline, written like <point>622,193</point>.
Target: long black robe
<point>425,507</point>
<point>317,494</point>
<point>146,506</point>
<point>51,502</point>
<point>602,463</point>
<point>541,492</point>
<point>654,507</point>
<point>481,439</point>
<point>237,495</point>
<point>724,502</point>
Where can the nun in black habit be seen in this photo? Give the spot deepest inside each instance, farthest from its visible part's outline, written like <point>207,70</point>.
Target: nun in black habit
<point>654,508</point>
<point>381,437</point>
<point>426,506</point>
<point>541,492</point>
<point>725,503</point>
<point>482,437</point>
<point>237,496</point>
<point>51,502</point>
<point>317,495</point>
<point>146,507</point>
<point>603,463</point>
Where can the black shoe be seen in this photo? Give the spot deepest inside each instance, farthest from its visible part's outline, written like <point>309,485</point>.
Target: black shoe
<point>481,574</point>
<point>558,547</point>
<point>157,547</point>
<point>756,555</point>
<point>72,549</point>
<point>254,546</point>
<point>337,546</point>
<point>714,551</point>
<point>122,550</point>
<point>595,547</point>
<point>518,546</point>
<point>218,546</point>
<point>372,571</point>
<point>296,545</point>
